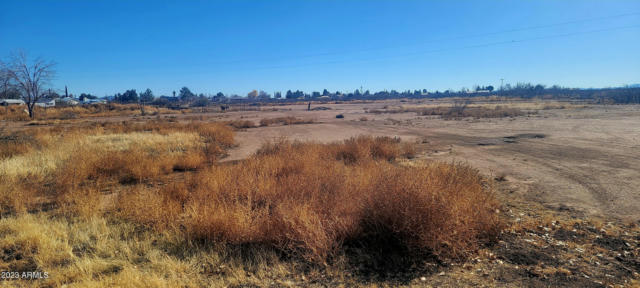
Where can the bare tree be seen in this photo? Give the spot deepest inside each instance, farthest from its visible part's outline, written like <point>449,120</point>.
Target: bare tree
<point>5,81</point>
<point>30,77</point>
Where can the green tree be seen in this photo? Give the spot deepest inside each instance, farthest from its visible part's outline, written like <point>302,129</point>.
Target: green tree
<point>186,94</point>
<point>146,96</point>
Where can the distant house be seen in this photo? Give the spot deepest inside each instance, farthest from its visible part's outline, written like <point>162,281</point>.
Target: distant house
<point>93,101</point>
<point>478,91</point>
<point>46,103</point>
<point>170,98</point>
<point>8,102</point>
<point>66,101</point>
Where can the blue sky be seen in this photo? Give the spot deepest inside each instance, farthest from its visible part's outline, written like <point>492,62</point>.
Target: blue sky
<point>106,46</point>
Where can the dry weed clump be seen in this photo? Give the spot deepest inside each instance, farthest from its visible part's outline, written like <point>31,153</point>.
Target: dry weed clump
<point>15,144</point>
<point>74,167</point>
<point>457,111</point>
<point>242,124</point>
<point>17,113</point>
<point>290,120</point>
<point>308,199</point>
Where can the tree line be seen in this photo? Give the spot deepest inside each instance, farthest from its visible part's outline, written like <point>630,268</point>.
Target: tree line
<point>28,80</point>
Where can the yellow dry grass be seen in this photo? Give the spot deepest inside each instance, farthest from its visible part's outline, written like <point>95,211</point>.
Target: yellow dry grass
<point>148,205</point>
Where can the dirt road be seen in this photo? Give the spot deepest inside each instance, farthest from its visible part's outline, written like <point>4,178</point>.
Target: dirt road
<point>587,159</point>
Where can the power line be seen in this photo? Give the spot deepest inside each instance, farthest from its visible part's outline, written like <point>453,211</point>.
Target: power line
<point>450,49</point>
<point>526,28</point>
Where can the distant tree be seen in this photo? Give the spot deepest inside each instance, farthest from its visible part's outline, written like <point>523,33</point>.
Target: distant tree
<point>161,101</point>
<point>146,96</point>
<point>8,89</point>
<point>289,95</point>
<point>253,94</point>
<point>201,101</point>
<point>277,95</point>
<point>129,96</point>
<point>356,93</point>
<point>315,94</point>
<point>186,94</point>
<point>490,88</point>
<point>325,92</point>
<point>220,95</point>
<point>298,94</point>
<point>263,95</point>
<point>30,77</point>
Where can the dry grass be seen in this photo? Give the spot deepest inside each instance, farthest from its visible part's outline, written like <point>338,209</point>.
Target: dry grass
<point>457,111</point>
<point>290,120</point>
<point>17,113</point>
<point>308,199</point>
<point>110,204</point>
<point>242,124</point>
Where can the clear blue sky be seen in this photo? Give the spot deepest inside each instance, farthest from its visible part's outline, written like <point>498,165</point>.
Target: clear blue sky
<point>106,46</point>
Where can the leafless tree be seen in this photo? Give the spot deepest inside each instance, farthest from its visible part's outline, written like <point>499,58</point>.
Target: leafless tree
<point>5,81</point>
<point>30,77</point>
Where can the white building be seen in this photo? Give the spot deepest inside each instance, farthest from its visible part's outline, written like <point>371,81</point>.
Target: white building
<point>67,101</point>
<point>7,102</point>
<point>46,103</point>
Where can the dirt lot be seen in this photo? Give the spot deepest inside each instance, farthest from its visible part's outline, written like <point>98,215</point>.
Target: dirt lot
<point>567,176</point>
<point>583,159</point>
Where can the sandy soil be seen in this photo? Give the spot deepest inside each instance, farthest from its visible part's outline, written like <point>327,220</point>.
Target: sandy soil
<point>584,159</point>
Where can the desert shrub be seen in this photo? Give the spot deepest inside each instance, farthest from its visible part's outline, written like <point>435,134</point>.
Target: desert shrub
<point>284,121</point>
<point>456,111</point>
<point>364,148</point>
<point>364,118</point>
<point>242,124</point>
<point>16,196</point>
<point>307,199</point>
<point>15,144</point>
<point>152,207</point>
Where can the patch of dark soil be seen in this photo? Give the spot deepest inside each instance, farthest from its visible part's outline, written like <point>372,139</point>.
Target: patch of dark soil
<point>630,261</point>
<point>518,253</point>
<point>564,280</point>
<point>530,136</point>
<point>566,235</point>
<point>385,257</point>
<point>320,108</point>
<point>611,243</point>
<point>17,260</point>
<point>522,277</point>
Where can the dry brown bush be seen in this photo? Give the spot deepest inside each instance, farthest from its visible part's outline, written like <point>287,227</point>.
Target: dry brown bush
<point>17,113</point>
<point>242,124</point>
<point>290,120</point>
<point>307,199</point>
<point>456,111</point>
<point>15,144</point>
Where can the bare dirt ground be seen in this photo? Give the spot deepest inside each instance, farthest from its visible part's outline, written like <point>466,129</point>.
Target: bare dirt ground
<point>569,181</point>
<point>583,159</point>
